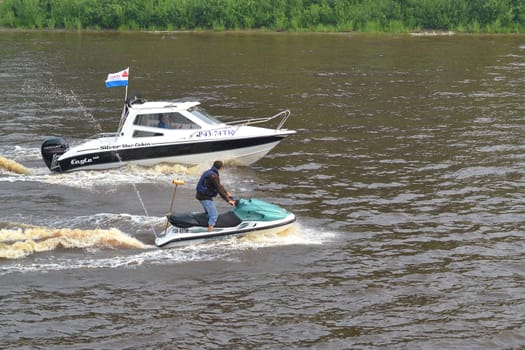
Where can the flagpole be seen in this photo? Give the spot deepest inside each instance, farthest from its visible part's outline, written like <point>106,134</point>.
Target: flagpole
<point>126,97</point>
<point>121,123</point>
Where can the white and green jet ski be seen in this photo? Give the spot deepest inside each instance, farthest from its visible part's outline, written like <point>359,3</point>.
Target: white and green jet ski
<point>249,215</point>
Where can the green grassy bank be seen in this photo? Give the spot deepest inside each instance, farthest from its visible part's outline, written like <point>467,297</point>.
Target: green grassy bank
<point>392,16</point>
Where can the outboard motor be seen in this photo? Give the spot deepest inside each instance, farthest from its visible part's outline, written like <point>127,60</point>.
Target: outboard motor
<point>53,147</point>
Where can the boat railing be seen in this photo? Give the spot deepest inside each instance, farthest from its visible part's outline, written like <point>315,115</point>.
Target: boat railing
<point>284,115</point>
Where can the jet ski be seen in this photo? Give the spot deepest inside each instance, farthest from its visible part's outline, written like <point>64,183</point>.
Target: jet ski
<point>248,215</point>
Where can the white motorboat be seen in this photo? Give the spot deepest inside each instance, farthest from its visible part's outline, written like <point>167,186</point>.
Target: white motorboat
<point>175,132</point>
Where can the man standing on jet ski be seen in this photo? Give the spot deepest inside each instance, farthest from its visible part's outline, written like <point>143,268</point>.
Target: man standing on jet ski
<point>208,187</point>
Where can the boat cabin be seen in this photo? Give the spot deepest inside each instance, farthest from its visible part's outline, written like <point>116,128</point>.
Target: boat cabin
<point>159,118</point>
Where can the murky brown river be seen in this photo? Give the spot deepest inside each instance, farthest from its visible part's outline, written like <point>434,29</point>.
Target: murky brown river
<point>406,176</point>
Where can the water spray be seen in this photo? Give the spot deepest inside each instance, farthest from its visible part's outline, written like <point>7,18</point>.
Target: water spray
<point>11,165</point>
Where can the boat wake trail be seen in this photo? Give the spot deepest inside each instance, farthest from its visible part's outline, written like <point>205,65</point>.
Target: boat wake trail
<point>111,248</point>
<point>26,240</point>
<point>296,234</point>
<point>167,169</point>
<point>12,166</point>
<point>127,174</point>
<point>292,235</point>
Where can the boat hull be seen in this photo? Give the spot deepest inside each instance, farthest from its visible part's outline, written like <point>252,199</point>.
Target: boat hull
<point>241,152</point>
<point>177,236</point>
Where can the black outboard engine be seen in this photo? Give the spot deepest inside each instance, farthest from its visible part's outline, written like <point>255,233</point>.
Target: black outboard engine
<point>53,147</point>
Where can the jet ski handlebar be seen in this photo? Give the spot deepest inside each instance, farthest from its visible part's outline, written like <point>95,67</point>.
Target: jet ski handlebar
<point>236,200</point>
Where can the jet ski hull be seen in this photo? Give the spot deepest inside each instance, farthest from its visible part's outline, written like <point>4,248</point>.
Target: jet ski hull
<point>177,236</point>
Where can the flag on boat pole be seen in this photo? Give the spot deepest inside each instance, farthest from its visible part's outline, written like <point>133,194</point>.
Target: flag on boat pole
<point>118,79</point>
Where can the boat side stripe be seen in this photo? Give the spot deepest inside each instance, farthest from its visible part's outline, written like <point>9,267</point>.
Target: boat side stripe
<point>168,150</point>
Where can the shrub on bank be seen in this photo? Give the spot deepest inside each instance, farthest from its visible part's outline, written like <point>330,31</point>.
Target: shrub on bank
<point>277,15</point>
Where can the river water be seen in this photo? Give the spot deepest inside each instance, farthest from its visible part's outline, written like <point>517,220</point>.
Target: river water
<point>406,176</point>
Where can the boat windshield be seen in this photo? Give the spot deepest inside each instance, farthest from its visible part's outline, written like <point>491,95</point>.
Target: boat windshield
<point>202,115</point>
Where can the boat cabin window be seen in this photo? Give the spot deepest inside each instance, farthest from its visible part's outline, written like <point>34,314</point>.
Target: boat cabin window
<point>141,133</point>
<point>165,121</point>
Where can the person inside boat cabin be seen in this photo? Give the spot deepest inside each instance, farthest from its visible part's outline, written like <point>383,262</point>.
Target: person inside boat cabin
<point>208,187</point>
<point>164,122</point>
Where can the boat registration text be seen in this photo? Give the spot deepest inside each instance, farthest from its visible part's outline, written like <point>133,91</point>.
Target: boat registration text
<point>216,133</point>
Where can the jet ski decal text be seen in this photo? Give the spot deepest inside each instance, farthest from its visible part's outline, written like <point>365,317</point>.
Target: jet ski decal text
<point>125,145</point>
<point>216,133</point>
<point>179,230</point>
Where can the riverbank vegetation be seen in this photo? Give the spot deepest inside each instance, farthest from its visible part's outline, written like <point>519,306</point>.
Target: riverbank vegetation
<point>395,16</point>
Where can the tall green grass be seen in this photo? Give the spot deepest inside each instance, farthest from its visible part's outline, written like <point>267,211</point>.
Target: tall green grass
<point>394,16</point>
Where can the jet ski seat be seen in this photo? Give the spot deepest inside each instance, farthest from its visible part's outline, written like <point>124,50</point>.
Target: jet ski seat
<point>185,220</point>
